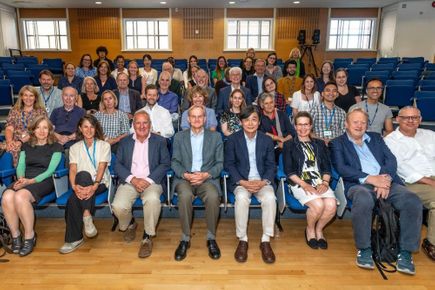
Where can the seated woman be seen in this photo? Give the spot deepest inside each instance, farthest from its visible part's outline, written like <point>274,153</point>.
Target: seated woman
<point>247,68</point>
<point>219,72</point>
<point>89,98</point>
<point>188,74</point>
<point>39,158</point>
<point>135,79</point>
<point>149,74</point>
<point>86,69</point>
<point>275,123</point>
<point>27,108</point>
<point>272,69</point>
<point>308,168</point>
<point>198,96</point>
<point>120,66</point>
<point>269,86</point>
<point>89,176</point>
<point>326,75</point>
<point>104,80</point>
<point>230,120</point>
<point>347,95</point>
<point>307,97</point>
<point>70,79</point>
<point>114,123</point>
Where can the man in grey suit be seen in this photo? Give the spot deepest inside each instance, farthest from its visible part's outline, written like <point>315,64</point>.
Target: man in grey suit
<point>197,161</point>
<point>141,164</point>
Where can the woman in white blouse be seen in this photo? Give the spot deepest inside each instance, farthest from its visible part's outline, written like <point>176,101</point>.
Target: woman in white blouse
<point>308,97</point>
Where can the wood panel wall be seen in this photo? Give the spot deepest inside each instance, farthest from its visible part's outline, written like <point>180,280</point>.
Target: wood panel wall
<point>104,28</point>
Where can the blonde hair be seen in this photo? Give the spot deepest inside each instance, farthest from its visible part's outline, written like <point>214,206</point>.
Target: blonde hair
<point>294,50</point>
<point>102,105</point>
<point>38,104</point>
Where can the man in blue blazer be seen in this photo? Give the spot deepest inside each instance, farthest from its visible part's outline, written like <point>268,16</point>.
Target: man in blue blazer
<point>129,101</point>
<point>141,164</point>
<point>368,169</point>
<point>250,161</point>
<point>224,93</point>
<point>255,82</point>
<point>197,161</point>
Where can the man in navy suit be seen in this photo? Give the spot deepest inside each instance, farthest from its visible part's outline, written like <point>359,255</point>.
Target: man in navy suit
<point>255,82</point>
<point>224,93</point>
<point>250,161</point>
<point>368,169</point>
<point>141,164</point>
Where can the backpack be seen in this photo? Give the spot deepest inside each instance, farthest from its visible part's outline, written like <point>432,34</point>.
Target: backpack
<point>5,238</point>
<point>385,237</point>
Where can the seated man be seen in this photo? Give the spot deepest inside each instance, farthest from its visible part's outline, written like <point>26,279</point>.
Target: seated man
<point>50,94</point>
<point>197,161</point>
<point>290,83</point>
<point>255,82</point>
<point>174,85</point>
<point>368,169</point>
<point>161,121</point>
<point>201,79</point>
<point>224,94</point>
<point>250,161</point>
<point>167,98</point>
<point>66,118</point>
<point>128,100</point>
<point>414,149</point>
<point>141,164</point>
<point>328,119</point>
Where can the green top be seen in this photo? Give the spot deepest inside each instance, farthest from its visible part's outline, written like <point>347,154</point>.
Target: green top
<point>54,162</point>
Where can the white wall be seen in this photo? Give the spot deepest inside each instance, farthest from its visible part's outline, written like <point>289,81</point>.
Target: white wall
<point>8,29</point>
<point>387,31</point>
<point>414,30</point>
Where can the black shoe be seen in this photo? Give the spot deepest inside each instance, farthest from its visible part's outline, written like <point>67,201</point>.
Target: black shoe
<point>17,243</point>
<point>322,243</point>
<point>181,251</point>
<point>213,250</point>
<point>28,246</point>
<point>312,243</point>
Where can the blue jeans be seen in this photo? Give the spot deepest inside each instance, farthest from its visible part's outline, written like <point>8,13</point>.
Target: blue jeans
<point>406,202</point>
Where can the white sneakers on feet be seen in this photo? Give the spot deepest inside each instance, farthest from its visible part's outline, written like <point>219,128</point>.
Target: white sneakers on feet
<point>90,229</point>
<point>70,247</point>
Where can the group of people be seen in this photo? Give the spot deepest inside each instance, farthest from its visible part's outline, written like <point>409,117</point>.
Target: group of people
<point>330,127</point>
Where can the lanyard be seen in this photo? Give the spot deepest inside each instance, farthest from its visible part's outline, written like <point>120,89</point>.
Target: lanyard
<point>49,95</point>
<point>93,161</point>
<point>328,123</point>
<point>374,116</point>
<point>25,121</point>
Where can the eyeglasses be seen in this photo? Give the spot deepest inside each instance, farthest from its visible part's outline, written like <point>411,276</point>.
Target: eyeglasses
<point>410,118</point>
<point>375,88</point>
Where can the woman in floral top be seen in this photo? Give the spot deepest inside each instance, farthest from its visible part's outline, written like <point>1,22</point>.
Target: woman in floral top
<point>230,121</point>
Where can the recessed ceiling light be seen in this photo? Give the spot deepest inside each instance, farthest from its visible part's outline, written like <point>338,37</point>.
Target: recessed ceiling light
<point>231,2</point>
<point>163,3</point>
<point>98,2</point>
<point>296,2</point>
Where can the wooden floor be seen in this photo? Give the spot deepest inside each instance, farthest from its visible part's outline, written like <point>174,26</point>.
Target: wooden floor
<point>108,263</point>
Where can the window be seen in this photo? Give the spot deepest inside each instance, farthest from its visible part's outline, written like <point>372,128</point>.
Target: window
<point>243,34</point>
<point>45,34</point>
<point>352,34</point>
<point>142,34</point>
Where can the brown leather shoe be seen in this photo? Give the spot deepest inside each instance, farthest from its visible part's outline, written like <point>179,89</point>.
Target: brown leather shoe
<point>130,233</point>
<point>241,254</point>
<point>146,247</point>
<point>429,249</point>
<point>267,253</point>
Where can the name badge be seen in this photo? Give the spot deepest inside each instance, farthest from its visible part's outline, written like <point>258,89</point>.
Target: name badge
<point>327,133</point>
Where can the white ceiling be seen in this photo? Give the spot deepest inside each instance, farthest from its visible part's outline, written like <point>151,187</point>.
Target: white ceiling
<point>196,3</point>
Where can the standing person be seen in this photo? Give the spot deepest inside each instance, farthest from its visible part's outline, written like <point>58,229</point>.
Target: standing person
<point>289,83</point>
<point>308,168</point>
<point>269,86</point>
<point>120,66</point>
<point>88,176</point>
<point>328,119</point>
<point>295,54</point>
<point>414,150</point>
<point>39,158</point>
<point>307,97</point>
<point>102,53</point>
<point>129,99</point>
<point>70,79</point>
<point>255,82</point>
<point>230,120</point>
<point>89,98</point>
<point>347,95</point>
<point>368,169</point>
<point>141,164</point>
<point>104,79</point>
<point>272,69</point>
<point>49,93</point>
<point>219,72</point>
<point>27,108</point>
<point>326,75</point>
<point>114,123</point>
<point>86,69</point>
<point>148,73</point>
<point>250,161</point>
<point>380,115</point>
<point>197,161</point>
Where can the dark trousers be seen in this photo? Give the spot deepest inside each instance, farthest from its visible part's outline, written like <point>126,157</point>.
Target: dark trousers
<point>75,208</point>
<point>406,202</point>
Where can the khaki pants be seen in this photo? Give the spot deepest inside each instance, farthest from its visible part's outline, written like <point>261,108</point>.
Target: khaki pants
<point>126,196</point>
<point>426,193</point>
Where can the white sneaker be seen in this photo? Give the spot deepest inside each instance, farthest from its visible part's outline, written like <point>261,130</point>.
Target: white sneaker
<point>70,247</point>
<point>90,229</point>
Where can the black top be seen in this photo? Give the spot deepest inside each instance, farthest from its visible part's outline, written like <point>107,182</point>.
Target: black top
<point>38,158</point>
<point>348,100</point>
<point>269,126</point>
<point>91,105</point>
<point>136,84</point>
<point>97,61</point>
